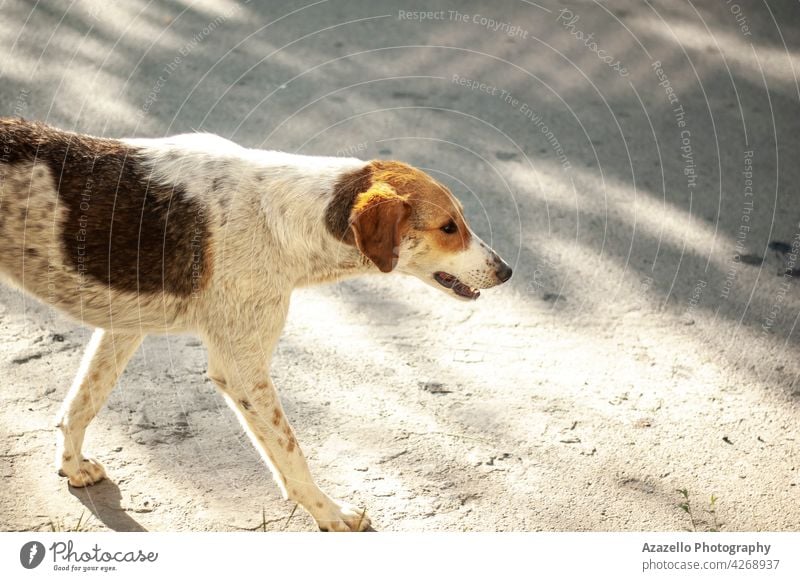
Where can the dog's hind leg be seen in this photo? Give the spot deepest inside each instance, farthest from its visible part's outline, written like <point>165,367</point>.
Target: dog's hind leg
<point>103,362</point>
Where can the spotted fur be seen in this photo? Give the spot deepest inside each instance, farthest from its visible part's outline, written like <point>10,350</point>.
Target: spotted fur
<point>196,234</point>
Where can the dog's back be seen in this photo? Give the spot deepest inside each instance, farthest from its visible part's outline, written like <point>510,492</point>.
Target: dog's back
<point>85,228</point>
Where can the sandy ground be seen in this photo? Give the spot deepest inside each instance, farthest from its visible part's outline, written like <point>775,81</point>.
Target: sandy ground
<point>647,342</point>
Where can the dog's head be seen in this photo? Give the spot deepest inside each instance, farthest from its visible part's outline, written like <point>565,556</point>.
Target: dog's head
<point>402,219</point>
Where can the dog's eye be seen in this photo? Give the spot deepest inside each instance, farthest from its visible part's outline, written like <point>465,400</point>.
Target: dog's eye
<point>449,228</point>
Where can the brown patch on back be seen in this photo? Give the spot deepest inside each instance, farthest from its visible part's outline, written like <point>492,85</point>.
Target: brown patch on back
<point>120,229</point>
<point>276,417</point>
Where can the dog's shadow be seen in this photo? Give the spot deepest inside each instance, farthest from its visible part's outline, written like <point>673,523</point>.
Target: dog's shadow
<point>103,501</point>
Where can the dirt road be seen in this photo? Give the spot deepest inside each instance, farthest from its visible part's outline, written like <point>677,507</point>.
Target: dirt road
<point>633,163</point>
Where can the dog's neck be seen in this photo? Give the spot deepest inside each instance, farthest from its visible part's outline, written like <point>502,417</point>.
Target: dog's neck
<point>295,205</point>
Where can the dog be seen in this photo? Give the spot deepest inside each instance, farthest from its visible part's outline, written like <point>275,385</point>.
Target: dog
<point>195,234</point>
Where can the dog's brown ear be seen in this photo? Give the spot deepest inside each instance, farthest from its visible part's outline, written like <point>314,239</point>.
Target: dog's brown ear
<point>378,222</point>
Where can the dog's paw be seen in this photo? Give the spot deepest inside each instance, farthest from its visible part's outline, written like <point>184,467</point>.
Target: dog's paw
<point>84,473</point>
<point>342,517</point>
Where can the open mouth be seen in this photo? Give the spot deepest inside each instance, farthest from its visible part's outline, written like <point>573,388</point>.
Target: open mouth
<point>458,287</point>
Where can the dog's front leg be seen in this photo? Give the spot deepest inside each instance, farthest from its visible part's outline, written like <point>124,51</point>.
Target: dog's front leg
<point>240,372</point>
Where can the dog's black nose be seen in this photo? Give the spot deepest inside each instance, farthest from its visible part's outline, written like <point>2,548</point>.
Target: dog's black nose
<point>504,272</point>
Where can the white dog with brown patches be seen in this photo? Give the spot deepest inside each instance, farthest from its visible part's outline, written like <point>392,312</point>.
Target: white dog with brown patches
<point>196,234</point>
